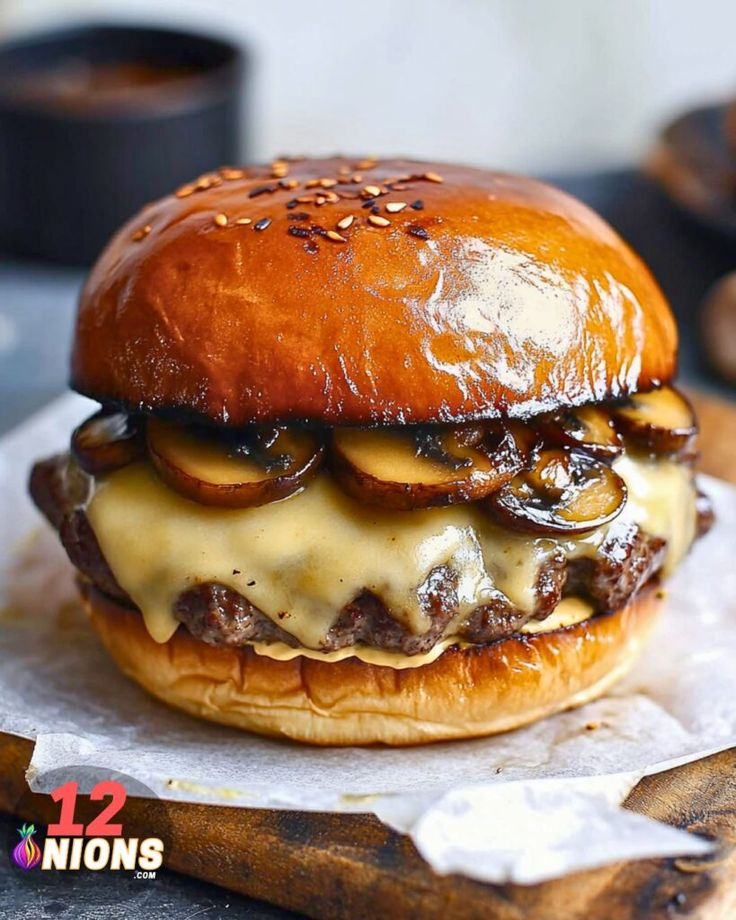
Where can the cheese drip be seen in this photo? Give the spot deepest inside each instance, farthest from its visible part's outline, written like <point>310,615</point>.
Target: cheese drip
<point>569,611</point>
<point>301,560</point>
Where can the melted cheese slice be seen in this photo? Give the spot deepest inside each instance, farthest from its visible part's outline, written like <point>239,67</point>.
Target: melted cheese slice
<point>301,560</point>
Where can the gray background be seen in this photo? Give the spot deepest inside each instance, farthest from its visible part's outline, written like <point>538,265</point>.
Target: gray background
<point>526,85</point>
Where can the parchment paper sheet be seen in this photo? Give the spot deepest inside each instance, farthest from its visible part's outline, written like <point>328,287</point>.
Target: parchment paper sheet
<point>522,807</point>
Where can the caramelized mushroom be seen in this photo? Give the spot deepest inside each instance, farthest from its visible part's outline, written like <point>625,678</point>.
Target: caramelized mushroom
<point>107,441</point>
<point>427,466</point>
<point>566,492</point>
<point>661,421</point>
<point>236,470</point>
<point>588,427</point>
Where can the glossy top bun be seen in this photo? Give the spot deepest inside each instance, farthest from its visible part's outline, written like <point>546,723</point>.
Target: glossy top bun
<point>492,295</point>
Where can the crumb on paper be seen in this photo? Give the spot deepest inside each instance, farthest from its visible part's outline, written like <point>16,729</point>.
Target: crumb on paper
<point>183,785</point>
<point>362,799</point>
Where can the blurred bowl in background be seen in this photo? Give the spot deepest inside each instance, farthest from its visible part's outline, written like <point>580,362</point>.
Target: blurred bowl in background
<point>718,327</point>
<point>694,161</point>
<point>97,120</point>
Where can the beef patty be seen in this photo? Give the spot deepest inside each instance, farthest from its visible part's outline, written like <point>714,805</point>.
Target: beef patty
<point>219,615</point>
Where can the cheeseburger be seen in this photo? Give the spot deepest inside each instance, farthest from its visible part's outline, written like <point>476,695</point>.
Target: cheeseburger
<point>387,452</point>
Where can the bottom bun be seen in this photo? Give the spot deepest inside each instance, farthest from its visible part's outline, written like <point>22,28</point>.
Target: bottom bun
<point>467,692</point>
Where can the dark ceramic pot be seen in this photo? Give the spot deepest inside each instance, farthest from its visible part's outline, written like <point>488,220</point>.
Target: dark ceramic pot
<point>73,168</point>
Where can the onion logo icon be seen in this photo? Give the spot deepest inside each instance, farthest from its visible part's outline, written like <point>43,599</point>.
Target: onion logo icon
<point>27,853</point>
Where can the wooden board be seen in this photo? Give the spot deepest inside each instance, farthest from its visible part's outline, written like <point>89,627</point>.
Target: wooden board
<point>352,866</point>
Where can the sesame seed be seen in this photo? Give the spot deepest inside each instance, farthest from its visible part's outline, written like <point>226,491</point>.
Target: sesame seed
<point>417,205</point>
<point>328,183</point>
<point>320,200</point>
<point>344,170</point>
<point>345,222</point>
<point>261,190</point>
<point>141,233</point>
<point>312,183</point>
<point>368,163</point>
<point>332,197</point>
<point>209,180</point>
<point>262,223</point>
<point>185,191</point>
<point>357,178</point>
<point>432,177</point>
<point>305,199</point>
<point>335,237</point>
<point>418,231</point>
<point>399,187</point>
<point>292,204</point>
<point>299,231</point>
<point>378,221</point>
<point>221,220</point>
<point>244,220</point>
<point>229,173</point>
<point>288,183</point>
<point>372,190</point>
<point>369,204</point>
<point>393,207</point>
<point>299,215</point>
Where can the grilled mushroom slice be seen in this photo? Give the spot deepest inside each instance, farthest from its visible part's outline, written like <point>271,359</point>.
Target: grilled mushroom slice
<point>238,470</point>
<point>107,441</point>
<point>566,492</point>
<point>662,421</point>
<point>588,428</point>
<point>425,466</point>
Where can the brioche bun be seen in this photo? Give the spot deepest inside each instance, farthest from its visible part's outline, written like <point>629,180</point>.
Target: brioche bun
<point>496,296</point>
<point>467,692</point>
<point>340,292</point>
